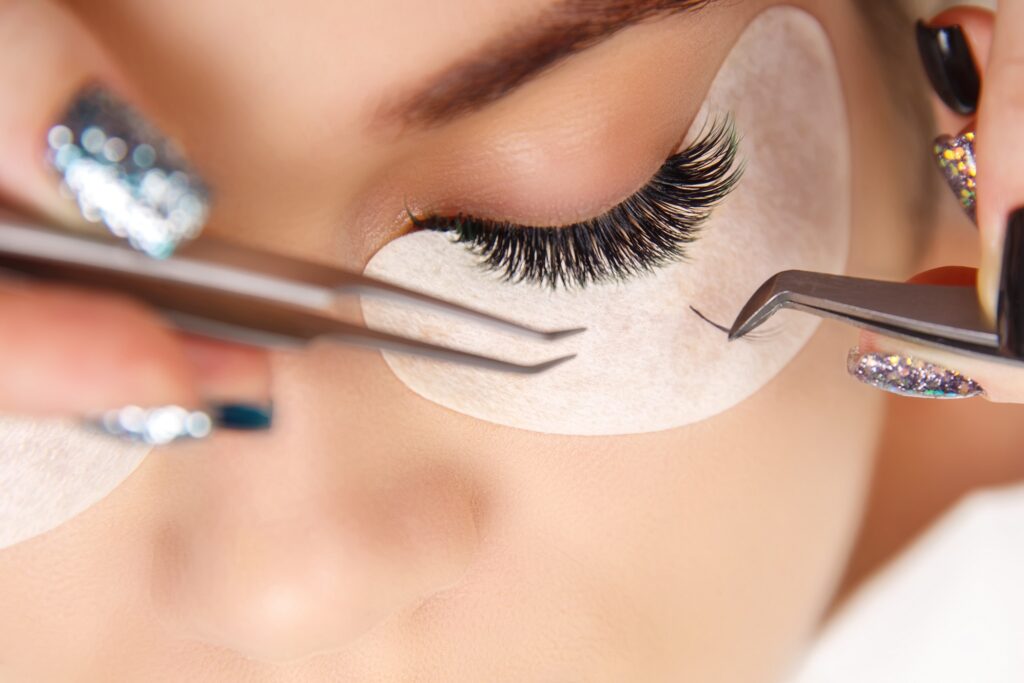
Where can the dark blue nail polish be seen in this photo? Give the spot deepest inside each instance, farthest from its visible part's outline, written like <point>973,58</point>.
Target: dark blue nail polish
<point>242,416</point>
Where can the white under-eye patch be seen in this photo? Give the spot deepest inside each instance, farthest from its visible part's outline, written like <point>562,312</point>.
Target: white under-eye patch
<point>51,470</point>
<point>647,362</point>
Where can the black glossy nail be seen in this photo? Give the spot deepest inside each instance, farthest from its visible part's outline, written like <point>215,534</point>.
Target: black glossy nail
<point>242,416</point>
<point>1011,288</point>
<point>950,66</point>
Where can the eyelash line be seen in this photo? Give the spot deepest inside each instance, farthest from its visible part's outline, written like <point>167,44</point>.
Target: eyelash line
<point>647,230</point>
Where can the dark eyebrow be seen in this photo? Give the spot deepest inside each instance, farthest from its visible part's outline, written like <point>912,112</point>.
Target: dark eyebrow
<point>516,56</point>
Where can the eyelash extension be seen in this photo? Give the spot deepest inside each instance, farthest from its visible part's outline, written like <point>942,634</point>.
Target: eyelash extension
<point>760,334</point>
<point>649,229</point>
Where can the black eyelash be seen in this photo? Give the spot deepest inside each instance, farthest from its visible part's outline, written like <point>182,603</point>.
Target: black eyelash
<point>649,229</point>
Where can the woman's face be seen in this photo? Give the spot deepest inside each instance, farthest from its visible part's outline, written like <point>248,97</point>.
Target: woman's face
<point>678,508</point>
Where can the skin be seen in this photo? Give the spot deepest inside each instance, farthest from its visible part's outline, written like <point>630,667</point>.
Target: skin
<point>374,535</point>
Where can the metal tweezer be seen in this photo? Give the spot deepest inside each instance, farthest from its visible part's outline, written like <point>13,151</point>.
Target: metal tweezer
<point>227,291</point>
<point>947,317</point>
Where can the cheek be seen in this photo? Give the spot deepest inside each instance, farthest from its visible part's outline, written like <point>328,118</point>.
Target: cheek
<point>648,363</point>
<point>52,470</point>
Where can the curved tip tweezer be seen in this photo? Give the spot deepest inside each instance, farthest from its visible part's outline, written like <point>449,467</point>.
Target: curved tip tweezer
<point>768,298</point>
<point>935,315</point>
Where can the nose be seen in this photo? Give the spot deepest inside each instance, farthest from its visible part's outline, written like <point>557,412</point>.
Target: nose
<point>284,545</point>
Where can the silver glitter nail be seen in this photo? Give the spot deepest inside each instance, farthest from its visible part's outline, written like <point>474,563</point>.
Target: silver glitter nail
<point>910,376</point>
<point>156,426</point>
<point>125,174</point>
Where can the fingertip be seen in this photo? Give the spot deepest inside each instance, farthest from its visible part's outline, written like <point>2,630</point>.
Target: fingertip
<point>73,352</point>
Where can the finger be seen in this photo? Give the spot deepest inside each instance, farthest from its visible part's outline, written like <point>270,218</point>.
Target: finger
<point>229,373</point>
<point>917,370</point>
<point>68,351</point>
<point>66,115</point>
<point>47,57</point>
<point>119,353</point>
<point>1000,147</point>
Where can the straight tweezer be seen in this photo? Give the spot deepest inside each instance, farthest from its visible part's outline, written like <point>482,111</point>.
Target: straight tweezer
<point>940,316</point>
<point>240,294</point>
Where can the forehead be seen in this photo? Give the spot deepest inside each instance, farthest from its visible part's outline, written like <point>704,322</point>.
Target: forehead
<point>347,55</point>
<point>272,99</point>
<point>336,53</point>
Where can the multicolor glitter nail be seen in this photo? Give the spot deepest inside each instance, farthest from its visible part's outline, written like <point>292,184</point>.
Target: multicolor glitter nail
<point>156,426</point>
<point>956,159</point>
<point>125,174</point>
<point>909,376</point>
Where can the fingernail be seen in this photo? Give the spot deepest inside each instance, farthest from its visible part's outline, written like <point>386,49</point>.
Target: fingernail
<point>243,416</point>
<point>956,159</point>
<point>909,376</point>
<point>950,65</point>
<point>1010,310</point>
<point>157,426</point>
<point>166,424</point>
<point>126,174</point>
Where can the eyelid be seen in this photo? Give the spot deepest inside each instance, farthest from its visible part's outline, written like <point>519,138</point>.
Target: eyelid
<point>647,230</point>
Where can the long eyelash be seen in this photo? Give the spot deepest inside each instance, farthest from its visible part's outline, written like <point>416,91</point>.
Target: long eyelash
<point>649,229</point>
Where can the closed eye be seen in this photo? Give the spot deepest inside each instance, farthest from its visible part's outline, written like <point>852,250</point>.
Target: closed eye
<point>649,229</point>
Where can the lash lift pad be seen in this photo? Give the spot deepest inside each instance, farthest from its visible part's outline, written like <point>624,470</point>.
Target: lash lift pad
<point>646,362</point>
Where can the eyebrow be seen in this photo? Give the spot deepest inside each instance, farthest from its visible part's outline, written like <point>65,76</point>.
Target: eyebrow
<point>516,56</point>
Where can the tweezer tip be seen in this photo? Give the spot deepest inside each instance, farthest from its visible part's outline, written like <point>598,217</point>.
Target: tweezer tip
<point>746,320</point>
<point>739,329</point>
<point>562,334</point>
<point>547,365</point>
<point>760,306</point>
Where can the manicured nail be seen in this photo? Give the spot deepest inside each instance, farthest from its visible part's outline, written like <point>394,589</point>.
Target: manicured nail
<point>947,59</point>
<point>126,174</point>
<point>166,424</point>
<point>1010,310</point>
<point>909,376</point>
<point>956,159</point>
<point>156,426</point>
<point>243,416</point>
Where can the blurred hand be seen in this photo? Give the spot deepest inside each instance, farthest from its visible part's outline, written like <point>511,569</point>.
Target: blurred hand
<point>69,351</point>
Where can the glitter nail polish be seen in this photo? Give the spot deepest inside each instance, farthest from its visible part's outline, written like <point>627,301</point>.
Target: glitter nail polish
<point>908,376</point>
<point>126,174</point>
<point>956,159</point>
<point>156,426</point>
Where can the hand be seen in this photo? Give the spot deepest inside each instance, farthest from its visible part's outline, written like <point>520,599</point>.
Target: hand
<point>68,351</point>
<point>963,48</point>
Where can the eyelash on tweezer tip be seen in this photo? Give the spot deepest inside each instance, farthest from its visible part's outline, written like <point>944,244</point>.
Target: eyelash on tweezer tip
<point>759,334</point>
<point>649,229</point>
